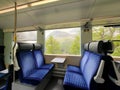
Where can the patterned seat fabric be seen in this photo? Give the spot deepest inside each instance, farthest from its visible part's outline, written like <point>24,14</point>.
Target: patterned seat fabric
<point>40,63</point>
<point>30,71</point>
<point>80,78</point>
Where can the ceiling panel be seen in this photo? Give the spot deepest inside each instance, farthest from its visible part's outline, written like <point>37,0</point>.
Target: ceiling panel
<point>106,8</point>
<point>63,11</point>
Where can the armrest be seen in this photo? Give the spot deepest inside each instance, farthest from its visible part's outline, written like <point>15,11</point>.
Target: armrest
<point>4,71</point>
<point>98,78</point>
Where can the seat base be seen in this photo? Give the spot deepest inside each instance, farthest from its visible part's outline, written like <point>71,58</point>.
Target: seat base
<point>17,85</point>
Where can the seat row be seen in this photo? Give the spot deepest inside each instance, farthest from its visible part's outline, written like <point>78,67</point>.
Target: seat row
<point>32,65</point>
<point>96,70</point>
<point>91,74</point>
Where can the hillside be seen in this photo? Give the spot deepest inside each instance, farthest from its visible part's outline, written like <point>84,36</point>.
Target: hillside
<point>61,35</point>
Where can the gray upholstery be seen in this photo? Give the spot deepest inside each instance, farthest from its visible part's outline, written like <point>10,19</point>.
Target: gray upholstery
<point>25,46</point>
<point>96,47</point>
<point>37,46</point>
<point>86,46</point>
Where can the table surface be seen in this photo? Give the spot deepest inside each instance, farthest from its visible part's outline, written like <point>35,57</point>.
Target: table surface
<point>58,60</point>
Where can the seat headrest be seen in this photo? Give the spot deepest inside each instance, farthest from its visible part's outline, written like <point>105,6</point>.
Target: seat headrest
<point>108,46</point>
<point>96,47</point>
<point>37,46</point>
<point>102,47</point>
<point>25,46</point>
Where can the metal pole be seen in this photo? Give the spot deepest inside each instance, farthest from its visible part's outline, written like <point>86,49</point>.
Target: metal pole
<point>15,39</point>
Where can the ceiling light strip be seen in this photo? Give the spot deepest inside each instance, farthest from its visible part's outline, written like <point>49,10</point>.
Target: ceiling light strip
<point>27,5</point>
<point>43,2</point>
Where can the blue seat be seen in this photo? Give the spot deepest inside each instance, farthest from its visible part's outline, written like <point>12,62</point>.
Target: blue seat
<point>91,67</point>
<point>40,63</point>
<point>82,77</point>
<point>89,70</point>
<point>39,57</point>
<point>79,69</point>
<point>29,71</point>
<point>74,81</point>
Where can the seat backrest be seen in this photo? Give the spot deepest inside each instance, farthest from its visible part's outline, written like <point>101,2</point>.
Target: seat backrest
<point>84,59</point>
<point>91,67</point>
<point>25,59</point>
<point>39,57</point>
<point>95,50</point>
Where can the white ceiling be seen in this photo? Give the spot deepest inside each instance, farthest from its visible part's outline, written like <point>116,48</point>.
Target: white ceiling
<point>62,11</point>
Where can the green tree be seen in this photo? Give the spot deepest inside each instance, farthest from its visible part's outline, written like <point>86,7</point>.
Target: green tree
<point>52,46</point>
<point>102,33</point>
<point>75,47</point>
<point>116,46</point>
<point>109,33</point>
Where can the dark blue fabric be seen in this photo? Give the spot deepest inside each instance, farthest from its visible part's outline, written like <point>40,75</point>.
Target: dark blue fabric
<point>2,64</point>
<point>3,87</point>
<point>75,69</point>
<point>36,76</point>
<point>4,81</point>
<point>39,58</point>
<point>26,62</point>
<point>91,67</point>
<point>75,80</point>
<point>81,78</point>
<point>29,72</point>
<point>83,60</point>
<point>2,75</point>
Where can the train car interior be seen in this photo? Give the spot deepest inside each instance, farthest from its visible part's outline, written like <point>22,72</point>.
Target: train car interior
<point>59,44</point>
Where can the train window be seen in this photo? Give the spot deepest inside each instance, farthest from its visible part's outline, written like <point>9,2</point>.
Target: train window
<point>28,36</point>
<point>108,33</point>
<point>63,41</point>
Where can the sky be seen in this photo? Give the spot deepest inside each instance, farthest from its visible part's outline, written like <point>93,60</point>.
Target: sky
<point>68,30</point>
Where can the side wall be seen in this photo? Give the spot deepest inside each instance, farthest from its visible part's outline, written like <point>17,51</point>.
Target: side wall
<point>1,38</point>
<point>8,47</point>
<point>72,60</point>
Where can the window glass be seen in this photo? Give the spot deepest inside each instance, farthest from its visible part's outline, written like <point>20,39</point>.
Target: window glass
<point>108,33</point>
<point>28,36</point>
<point>62,41</point>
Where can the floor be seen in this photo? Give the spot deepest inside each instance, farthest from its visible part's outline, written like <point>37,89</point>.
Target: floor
<point>55,84</point>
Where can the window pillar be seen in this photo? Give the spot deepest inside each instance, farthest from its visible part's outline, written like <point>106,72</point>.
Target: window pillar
<point>86,35</point>
<point>40,38</point>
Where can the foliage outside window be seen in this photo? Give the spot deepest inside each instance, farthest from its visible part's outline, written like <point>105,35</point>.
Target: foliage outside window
<point>62,41</point>
<point>108,33</point>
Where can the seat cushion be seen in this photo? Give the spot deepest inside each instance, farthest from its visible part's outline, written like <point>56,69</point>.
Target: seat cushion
<point>47,66</point>
<point>75,69</point>
<point>74,80</point>
<point>36,76</point>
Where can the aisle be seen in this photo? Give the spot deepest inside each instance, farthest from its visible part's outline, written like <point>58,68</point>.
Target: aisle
<point>55,84</point>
